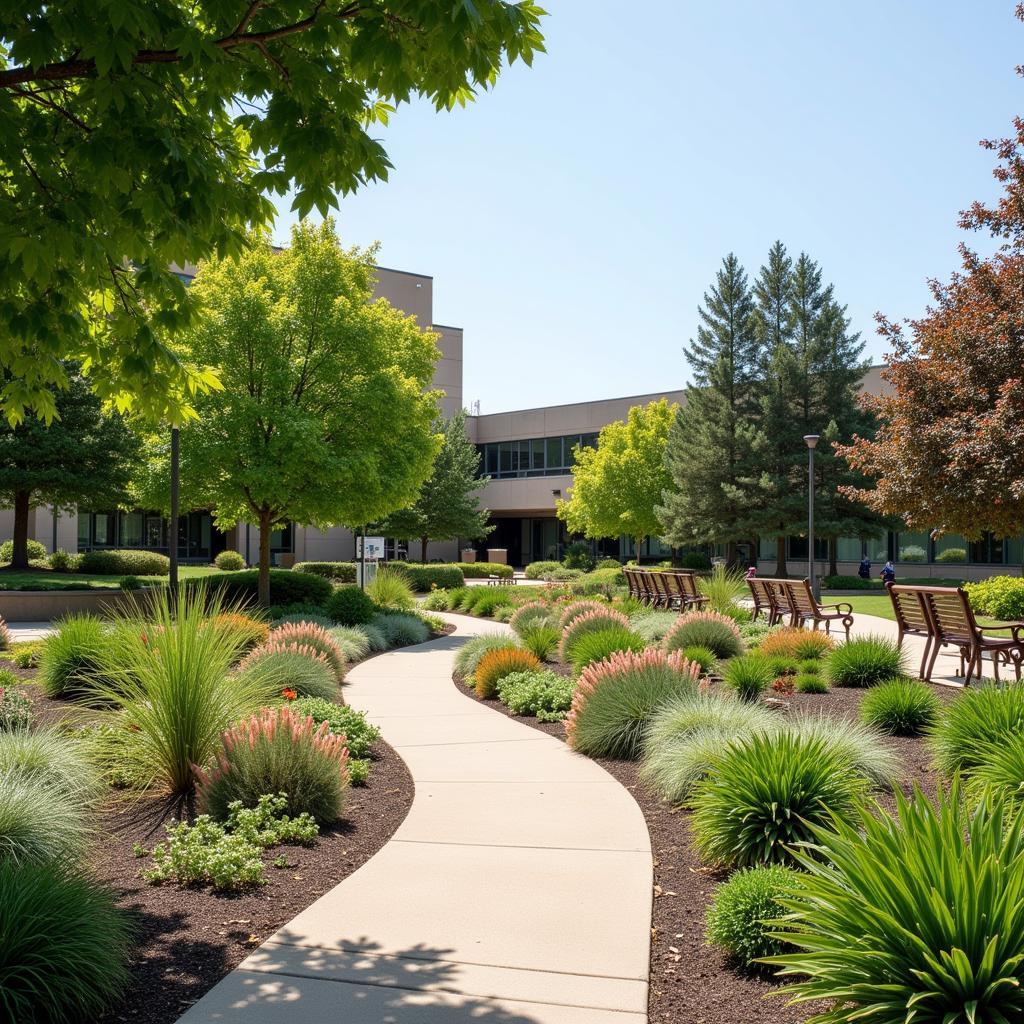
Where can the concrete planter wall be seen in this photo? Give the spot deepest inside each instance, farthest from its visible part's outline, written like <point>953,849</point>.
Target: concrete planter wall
<point>44,605</point>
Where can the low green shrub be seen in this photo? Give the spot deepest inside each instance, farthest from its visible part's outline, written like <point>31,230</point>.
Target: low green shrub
<point>542,641</point>
<point>314,618</point>
<point>26,653</point>
<point>540,570</point>
<point>719,633</point>
<point>687,734</point>
<point>913,915</point>
<point>15,707</point>
<point>503,613</point>
<point>848,583</point>
<point>349,606</point>
<point>608,563</point>
<point>865,661</point>
<point>952,555</point>
<point>1001,597</point>
<point>336,572</point>
<point>469,654</point>
<point>526,616</point>
<point>423,578</point>
<point>359,734</point>
<point>978,720</point>
<point>38,822</point>
<point>291,669</point>
<point>593,621</point>
<point>278,751</point>
<point>62,561</point>
<point>286,587</point>
<point>494,665</point>
<point>73,658</point>
<point>753,634</point>
<point>579,555</point>
<point>401,629</point>
<point>374,636</point>
<point>749,676</point>
<point>614,699</point>
<point>65,944</point>
<point>599,644</point>
<point>229,561</point>
<point>741,909</point>
<point>653,626</point>
<point>36,551</point>
<point>391,589</point>
<point>703,656</point>
<point>767,794</point>
<point>458,597</point>
<point>127,562</point>
<point>696,560</point>
<point>901,707</point>
<point>483,601</point>
<point>541,693</point>
<point>1000,767</point>
<point>565,576</point>
<point>575,609</point>
<point>810,667</point>
<point>437,601</point>
<point>861,745</point>
<point>483,570</point>
<point>352,641</point>
<point>912,553</point>
<point>810,682</point>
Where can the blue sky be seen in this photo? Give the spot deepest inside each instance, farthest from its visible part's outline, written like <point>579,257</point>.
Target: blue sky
<point>573,217</point>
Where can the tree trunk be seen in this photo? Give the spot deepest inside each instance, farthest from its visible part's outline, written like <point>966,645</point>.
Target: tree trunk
<point>731,557</point>
<point>423,549</point>
<point>781,569</point>
<point>639,543</point>
<point>833,556</point>
<point>263,586</point>
<point>19,557</point>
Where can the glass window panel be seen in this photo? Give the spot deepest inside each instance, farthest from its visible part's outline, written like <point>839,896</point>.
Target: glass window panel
<point>848,549</point>
<point>537,448</point>
<point>131,529</point>
<point>951,548</point>
<point>492,460</point>
<point>766,548</point>
<point>1014,547</point>
<point>912,547</point>
<point>588,441</point>
<point>505,458</point>
<point>103,530</point>
<point>155,532</point>
<point>797,547</point>
<point>554,453</point>
<point>84,522</point>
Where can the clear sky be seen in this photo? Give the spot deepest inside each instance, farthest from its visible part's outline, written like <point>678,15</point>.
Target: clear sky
<point>573,217</point>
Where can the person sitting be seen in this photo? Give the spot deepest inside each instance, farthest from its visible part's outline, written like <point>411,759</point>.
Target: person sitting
<point>888,573</point>
<point>751,572</point>
<point>864,572</point>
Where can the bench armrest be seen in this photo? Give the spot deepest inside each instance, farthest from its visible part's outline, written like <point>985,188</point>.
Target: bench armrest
<point>841,606</point>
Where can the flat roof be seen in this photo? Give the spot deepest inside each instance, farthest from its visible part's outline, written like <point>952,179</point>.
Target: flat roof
<point>590,401</point>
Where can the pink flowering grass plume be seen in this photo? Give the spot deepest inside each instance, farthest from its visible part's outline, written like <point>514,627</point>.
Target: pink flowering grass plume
<point>531,614</point>
<point>600,616</point>
<point>278,750</point>
<point>310,634</point>
<point>574,609</point>
<point>719,633</point>
<point>614,699</point>
<point>293,665</point>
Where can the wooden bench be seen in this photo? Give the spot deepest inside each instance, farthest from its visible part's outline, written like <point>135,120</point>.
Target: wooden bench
<point>769,599</point>
<point>912,617</point>
<point>803,607</point>
<point>686,592</point>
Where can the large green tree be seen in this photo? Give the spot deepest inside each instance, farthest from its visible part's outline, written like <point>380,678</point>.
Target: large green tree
<point>618,486</point>
<point>713,442</point>
<point>83,456</point>
<point>135,134</point>
<point>448,505</point>
<point>324,417</point>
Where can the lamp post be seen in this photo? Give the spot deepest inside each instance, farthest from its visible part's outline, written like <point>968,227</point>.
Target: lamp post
<point>172,549</point>
<point>811,440</point>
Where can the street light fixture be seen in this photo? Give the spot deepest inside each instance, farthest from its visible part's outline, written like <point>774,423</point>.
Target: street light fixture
<point>811,440</point>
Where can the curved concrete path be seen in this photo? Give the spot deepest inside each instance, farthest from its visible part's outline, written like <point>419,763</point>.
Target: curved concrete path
<point>517,891</point>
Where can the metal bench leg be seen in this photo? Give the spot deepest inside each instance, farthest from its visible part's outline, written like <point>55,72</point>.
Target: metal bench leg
<point>927,648</point>
<point>931,661</point>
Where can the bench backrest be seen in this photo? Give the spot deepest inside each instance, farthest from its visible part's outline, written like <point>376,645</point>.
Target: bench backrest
<point>950,613</point>
<point>911,608</point>
<point>687,584</point>
<point>800,597</point>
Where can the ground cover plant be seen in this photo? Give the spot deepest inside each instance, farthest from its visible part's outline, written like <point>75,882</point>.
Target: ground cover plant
<point>541,693</point>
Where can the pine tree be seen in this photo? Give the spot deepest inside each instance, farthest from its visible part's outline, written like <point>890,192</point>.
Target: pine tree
<point>712,441</point>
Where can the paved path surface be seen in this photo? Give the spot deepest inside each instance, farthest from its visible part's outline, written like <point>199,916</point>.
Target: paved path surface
<point>29,630</point>
<point>517,891</point>
<point>946,665</point>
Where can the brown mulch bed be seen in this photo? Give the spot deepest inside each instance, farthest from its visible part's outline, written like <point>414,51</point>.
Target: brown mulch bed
<point>691,983</point>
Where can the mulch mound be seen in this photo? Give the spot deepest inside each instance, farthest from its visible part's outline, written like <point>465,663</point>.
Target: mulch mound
<point>690,982</point>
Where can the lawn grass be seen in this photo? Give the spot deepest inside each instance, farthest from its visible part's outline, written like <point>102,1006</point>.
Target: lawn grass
<point>881,606</point>
<point>47,579</point>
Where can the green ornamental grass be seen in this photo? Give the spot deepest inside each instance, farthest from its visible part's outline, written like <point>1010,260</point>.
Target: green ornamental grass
<point>703,656</point>
<point>542,640</point>
<point>602,643</point>
<point>1000,766</point>
<point>724,588</point>
<point>402,629</point>
<point>38,823</point>
<point>917,916</point>
<point>749,676</point>
<point>901,707</point>
<point>470,653</point>
<point>653,626</point>
<point>52,758</point>
<point>353,642</point>
<point>863,746</point>
<point>978,720</point>
<point>391,589</point>
<point>865,661</point>
<point>295,668</point>
<point>73,657</point>
<point>810,682</point>
<point>719,633</point>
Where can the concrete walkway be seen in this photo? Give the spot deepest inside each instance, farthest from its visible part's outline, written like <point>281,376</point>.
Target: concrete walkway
<point>517,891</point>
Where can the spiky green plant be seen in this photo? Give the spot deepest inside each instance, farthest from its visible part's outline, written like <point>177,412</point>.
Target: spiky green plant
<point>353,642</point>
<point>765,794</point>
<point>717,632</point>
<point>917,916</point>
<point>374,636</point>
<point>901,707</point>
<point>401,629</point>
<point>73,657</point>
<point>704,656</point>
<point>54,759</point>
<point>528,616</point>
<point>979,719</point>
<point>749,676</point>
<point>724,588</point>
<point>602,643</point>
<point>588,622</point>
<point>470,653</point>
<point>542,640</point>
<point>38,822</point>
<point>689,731</point>
<point>1001,767</point>
<point>298,669</point>
<point>863,746</point>
<point>865,661</point>
<point>653,626</point>
<point>810,682</point>
<point>65,944</point>
<point>391,589</point>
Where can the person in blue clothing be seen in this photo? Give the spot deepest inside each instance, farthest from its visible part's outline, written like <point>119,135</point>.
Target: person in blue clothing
<point>888,573</point>
<point>864,572</point>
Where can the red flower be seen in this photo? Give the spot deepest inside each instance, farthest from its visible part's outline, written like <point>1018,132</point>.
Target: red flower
<point>288,693</point>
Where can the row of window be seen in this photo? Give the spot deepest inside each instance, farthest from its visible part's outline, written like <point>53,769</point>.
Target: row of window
<point>950,549</point>
<point>538,456</point>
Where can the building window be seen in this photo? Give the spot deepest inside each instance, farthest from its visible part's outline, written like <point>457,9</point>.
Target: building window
<point>131,529</point>
<point>282,541</point>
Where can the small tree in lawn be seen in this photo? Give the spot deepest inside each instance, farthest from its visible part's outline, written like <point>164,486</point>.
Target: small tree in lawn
<point>447,506</point>
<point>324,416</point>
<point>618,486</point>
<point>83,456</point>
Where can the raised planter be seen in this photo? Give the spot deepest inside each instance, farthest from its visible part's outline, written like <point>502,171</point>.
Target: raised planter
<point>44,605</point>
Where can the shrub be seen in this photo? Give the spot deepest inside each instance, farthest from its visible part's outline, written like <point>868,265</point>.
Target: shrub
<point>749,675</point>
<point>575,609</point>
<point>724,588</point>
<point>310,635</point>
<point>286,587</point>
<point>484,600</point>
<point>175,696</point>
<point>703,656</point>
<point>38,822</point>
<point>352,642</point>
<point>65,945</point>
<point>540,570</point>
<point>481,570</point>
<point>901,707</point>
<point>298,611</point>
<point>590,622</point>
<point>810,682</point>
<point>73,657</point>
<point>290,669</point>
<point>976,721</point>
<point>51,759</point>
<point>861,745</point>
<point>543,694</point>
<point>801,644</point>
<point>229,561</point>
<point>36,551</point>
<point>349,606</point>
<point>469,654</point>
<point>737,920</point>
<point>62,561</point>
<point>402,630</point>
<point>341,720</point>
<point>391,589</point>
<point>596,645</point>
<point>653,626</point>
<point>458,597</point>
<point>809,667</point>
<point>503,613</point>
<point>279,751</point>
<point>565,575</point>
<point>245,631</point>
<point>689,731</point>
<point>130,583</point>
<point>915,915</point>
<point>695,560</point>
<point>766,794</point>
<point>526,616</point>
<point>543,641</point>
<point>128,562</point>
<point>1001,597</point>
<point>495,665</point>
<point>423,578</point>
<point>615,698</point>
<point>579,556</point>
<point>913,553</point>
<point>847,583</point>
<point>15,707</point>
<point>336,572</point>
<point>705,629</point>
<point>26,654</point>
<point>312,617</point>
<point>608,563</point>
<point>865,661</point>
<point>374,636</point>
<point>952,555</point>
<point>754,634</point>
<point>437,601</point>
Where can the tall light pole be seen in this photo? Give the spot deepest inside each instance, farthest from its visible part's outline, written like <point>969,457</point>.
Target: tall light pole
<point>172,548</point>
<point>811,440</point>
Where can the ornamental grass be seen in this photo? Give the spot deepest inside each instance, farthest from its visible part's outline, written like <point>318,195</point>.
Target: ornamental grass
<point>590,620</point>
<point>316,637</point>
<point>496,664</point>
<point>719,633</point>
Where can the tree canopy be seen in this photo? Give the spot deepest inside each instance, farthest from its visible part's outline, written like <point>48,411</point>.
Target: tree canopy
<point>83,457</point>
<point>325,416</point>
<point>617,486</point>
<point>447,506</point>
<point>136,134</point>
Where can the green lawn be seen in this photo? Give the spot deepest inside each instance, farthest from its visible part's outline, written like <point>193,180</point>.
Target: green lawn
<point>46,579</point>
<point>881,605</point>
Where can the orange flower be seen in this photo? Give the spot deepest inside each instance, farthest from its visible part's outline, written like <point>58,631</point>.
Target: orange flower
<point>288,693</point>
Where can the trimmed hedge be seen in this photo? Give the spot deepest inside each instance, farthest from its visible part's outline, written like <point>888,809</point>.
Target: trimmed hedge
<point>286,587</point>
<point>126,562</point>
<point>481,570</point>
<point>423,578</point>
<point>339,572</point>
<point>35,550</point>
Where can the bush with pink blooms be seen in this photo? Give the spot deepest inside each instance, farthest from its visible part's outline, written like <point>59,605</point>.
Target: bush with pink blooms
<point>312,635</point>
<point>615,698</point>
<point>718,633</point>
<point>575,609</point>
<point>281,752</point>
<point>592,620</point>
<point>294,670</point>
